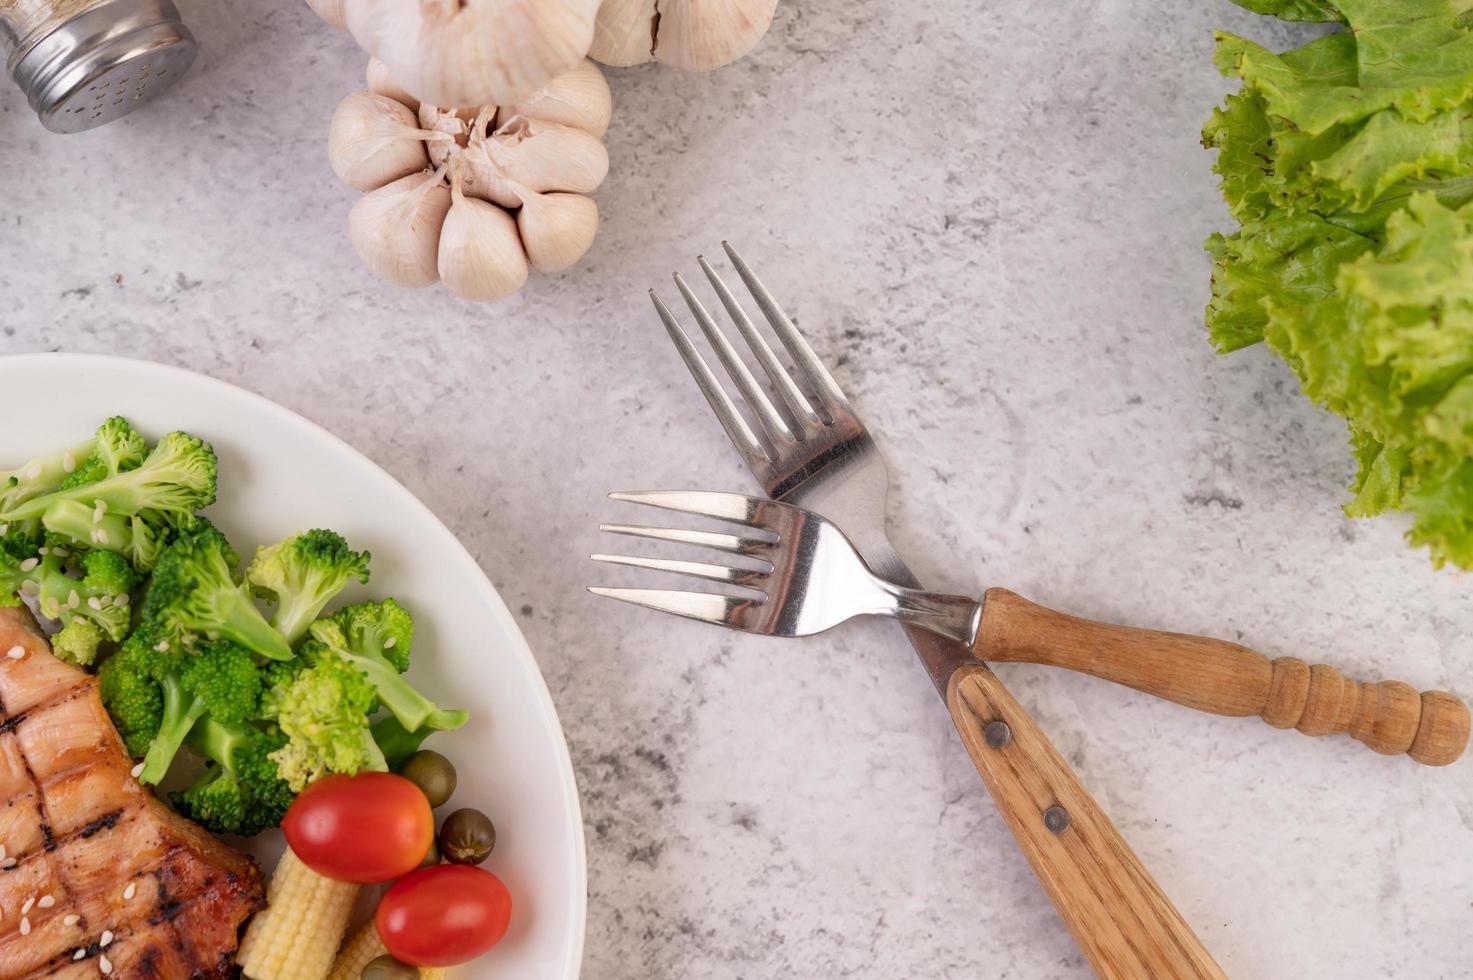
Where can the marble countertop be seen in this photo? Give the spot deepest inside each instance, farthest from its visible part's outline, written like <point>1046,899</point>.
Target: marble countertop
<point>989,216</point>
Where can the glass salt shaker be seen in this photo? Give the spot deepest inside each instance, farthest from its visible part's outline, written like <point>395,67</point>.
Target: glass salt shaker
<point>82,63</point>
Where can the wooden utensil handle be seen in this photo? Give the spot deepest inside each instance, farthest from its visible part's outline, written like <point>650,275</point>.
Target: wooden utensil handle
<point>1227,679</point>
<point>1123,922</point>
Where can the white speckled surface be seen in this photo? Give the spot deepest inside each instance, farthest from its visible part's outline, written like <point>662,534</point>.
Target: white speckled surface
<point>990,216</point>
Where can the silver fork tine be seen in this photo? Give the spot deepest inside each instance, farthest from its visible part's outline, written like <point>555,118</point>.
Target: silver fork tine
<point>797,402</point>
<point>737,429</point>
<point>722,610</point>
<point>746,577</point>
<point>775,425</point>
<point>734,507</point>
<point>703,539</point>
<point>822,383</point>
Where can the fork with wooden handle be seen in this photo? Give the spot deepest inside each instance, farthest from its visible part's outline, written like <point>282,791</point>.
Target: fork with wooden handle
<point>815,580</point>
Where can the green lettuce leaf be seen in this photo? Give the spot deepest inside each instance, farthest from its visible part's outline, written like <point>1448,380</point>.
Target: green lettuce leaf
<point>1305,10</point>
<point>1281,262</point>
<point>1391,349</point>
<point>1348,162</point>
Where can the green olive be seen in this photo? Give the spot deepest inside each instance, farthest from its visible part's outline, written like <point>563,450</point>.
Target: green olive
<point>387,968</point>
<point>432,773</point>
<point>432,856</point>
<point>467,837</point>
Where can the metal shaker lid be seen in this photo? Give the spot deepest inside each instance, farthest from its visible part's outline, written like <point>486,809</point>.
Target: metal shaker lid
<point>103,63</point>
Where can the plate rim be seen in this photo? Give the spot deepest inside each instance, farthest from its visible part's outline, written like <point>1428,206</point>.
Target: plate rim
<point>579,886</point>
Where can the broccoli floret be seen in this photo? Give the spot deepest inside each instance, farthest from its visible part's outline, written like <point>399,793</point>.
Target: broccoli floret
<point>178,476</point>
<point>41,475</point>
<point>255,765</point>
<point>241,793</point>
<point>374,637</point>
<point>129,692</point>
<point>302,574</point>
<point>218,677</point>
<point>92,607</point>
<point>141,537</point>
<point>323,710</point>
<point>384,630</point>
<point>15,547</point>
<point>78,642</point>
<point>217,800</point>
<point>193,590</point>
<point>118,447</point>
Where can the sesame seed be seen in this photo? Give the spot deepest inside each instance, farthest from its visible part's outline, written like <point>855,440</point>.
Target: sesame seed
<point>60,552</point>
<point>101,536</point>
<point>99,510</point>
<point>72,599</point>
<point>29,587</point>
<point>79,954</point>
<point>71,920</point>
<point>33,471</point>
<point>138,770</point>
<point>389,643</point>
<point>130,891</point>
<point>107,937</point>
<point>43,550</point>
<point>162,646</point>
<point>121,599</point>
<point>4,528</point>
<point>25,926</point>
<point>26,906</point>
<point>94,537</point>
<point>46,901</point>
<point>68,461</point>
<point>94,602</point>
<point>7,864</point>
<point>105,965</point>
<point>15,653</point>
<point>29,564</point>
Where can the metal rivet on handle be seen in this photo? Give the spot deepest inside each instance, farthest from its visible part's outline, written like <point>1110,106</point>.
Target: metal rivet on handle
<point>1056,819</point>
<point>997,734</point>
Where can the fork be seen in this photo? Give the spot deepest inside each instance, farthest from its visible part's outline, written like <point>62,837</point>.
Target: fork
<point>813,580</point>
<point>815,452</point>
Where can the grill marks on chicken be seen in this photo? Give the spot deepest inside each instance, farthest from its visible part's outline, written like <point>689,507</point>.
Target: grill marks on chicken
<point>90,855</point>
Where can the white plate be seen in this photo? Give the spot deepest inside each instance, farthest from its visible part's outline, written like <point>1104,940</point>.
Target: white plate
<point>279,474</point>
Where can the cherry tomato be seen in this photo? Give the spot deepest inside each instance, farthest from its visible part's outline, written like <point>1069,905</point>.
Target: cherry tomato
<point>367,828</point>
<point>443,915</point>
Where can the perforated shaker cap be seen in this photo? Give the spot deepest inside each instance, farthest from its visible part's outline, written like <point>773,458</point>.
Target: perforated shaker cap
<point>103,63</point>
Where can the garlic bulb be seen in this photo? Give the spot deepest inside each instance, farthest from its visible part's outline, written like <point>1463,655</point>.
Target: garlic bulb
<point>381,82</point>
<point>557,229</point>
<point>696,35</point>
<point>514,199</point>
<point>481,256</point>
<point>329,10</point>
<point>473,52</point>
<point>373,140</point>
<point>578,98</point>
<point>396,229</point>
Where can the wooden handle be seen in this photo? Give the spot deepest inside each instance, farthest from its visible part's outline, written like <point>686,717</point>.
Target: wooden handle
<point>1119,916</point>
<point>1227,679</point>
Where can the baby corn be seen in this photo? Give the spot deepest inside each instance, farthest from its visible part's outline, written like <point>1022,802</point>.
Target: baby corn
<point>361,948</point>
<point>297,935</point>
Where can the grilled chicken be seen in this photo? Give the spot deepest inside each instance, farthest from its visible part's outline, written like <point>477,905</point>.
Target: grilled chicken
<point>97,877</point>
